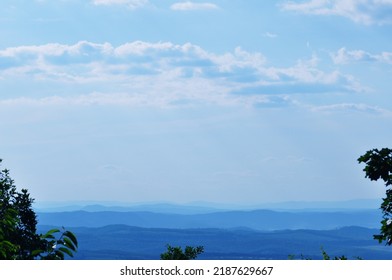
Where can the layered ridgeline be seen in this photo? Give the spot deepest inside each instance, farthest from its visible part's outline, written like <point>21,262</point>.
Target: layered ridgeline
<point>142,232</point>
<point>256,219</point>
<point>114,242</point>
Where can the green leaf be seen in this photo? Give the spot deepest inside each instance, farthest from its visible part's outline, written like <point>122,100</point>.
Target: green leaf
<point>68,243</point>
<point>48,237</point>
<point>60,254</point>
<point>71,236</point>
<point>67,251</point>
<point>36,252</point>
<point>49,234</point>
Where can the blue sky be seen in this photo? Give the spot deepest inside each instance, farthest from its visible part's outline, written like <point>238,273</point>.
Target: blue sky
<point>224,101</point>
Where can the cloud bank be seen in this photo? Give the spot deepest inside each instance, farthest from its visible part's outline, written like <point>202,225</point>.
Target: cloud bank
<point>344,56</point>
<point>164,74</point>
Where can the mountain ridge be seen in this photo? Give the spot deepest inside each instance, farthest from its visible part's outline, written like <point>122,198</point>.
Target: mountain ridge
<point>256,219</point>
<point>207,207</point>
<point>128,242</point>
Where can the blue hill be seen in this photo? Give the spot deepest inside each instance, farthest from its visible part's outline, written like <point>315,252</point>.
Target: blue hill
<point>127,242</point>
<point>257,219</point>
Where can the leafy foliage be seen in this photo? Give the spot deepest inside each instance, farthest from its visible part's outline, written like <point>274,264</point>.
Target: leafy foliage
<point>176,253</point>
<point>18,228</point>
<point>7,221</point>
<point>325,255</point>
<point>57,247</point>
<point>379,166</point>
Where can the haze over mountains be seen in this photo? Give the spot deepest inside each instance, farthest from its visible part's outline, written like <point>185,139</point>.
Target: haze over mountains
<point>289,215</point>
<point>257,219</point>
<point>126,242</point>
<point>143,231</point>
<point>206,207</point>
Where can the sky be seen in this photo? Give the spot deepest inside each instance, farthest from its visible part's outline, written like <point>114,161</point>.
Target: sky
<point>223,101</point>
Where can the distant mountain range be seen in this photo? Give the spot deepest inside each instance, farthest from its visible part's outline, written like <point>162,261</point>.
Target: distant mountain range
<point>126,242</point>
<point>206,207</point>
<point>156,208</point>
<point>143,231</point>
<point>258,219</point>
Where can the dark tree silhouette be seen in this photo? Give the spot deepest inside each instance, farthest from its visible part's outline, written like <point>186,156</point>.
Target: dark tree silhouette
<point>379,166</point>
<point>18,228</point>
<point>176,253</point>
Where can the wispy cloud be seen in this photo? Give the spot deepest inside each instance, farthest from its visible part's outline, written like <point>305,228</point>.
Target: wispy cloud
<point>270,35</point>
<point>356,107</point>
<point>360,11</point>
<point>344,56</point>
<point>96,98</point>
<point>132,4</point>
<point>187,6</point>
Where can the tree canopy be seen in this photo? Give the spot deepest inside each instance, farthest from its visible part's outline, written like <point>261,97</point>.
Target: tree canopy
<point>18,228</point>
<point>379,166</point>
<point>176,253</point>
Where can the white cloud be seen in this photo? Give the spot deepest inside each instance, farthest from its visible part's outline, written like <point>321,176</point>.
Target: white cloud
<point>132,4</point>
<point>80,100</point>
<point>187,6</point>
<point>360,11</point>
<point>142,48</point>
<point>86,57</point>
<point>343,56</point>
